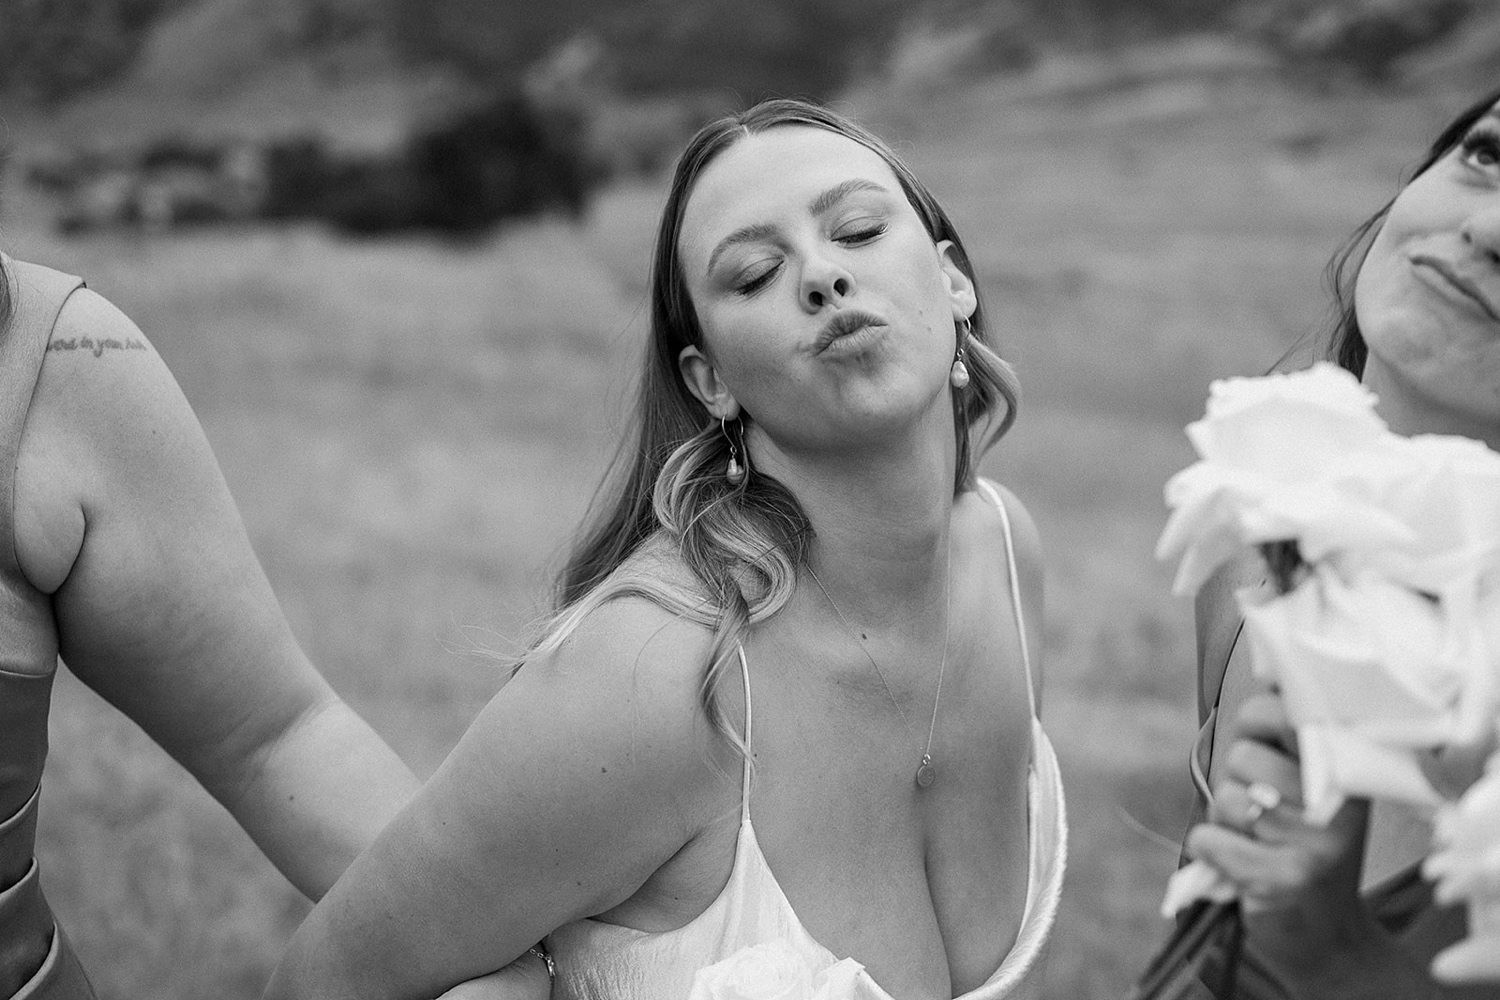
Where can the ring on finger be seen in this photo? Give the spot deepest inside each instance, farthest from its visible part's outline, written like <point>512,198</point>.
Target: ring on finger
<point>1263,798</point>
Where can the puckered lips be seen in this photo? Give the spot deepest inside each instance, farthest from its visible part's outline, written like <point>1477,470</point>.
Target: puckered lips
<point>847,330</point>
<point>1461,284</point>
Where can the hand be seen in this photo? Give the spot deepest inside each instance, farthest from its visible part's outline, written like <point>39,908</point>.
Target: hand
<point>1298,882</point>
<point>524,979</point>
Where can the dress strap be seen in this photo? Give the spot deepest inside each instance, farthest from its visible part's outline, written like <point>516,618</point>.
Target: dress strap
<point>1015,586</point>
<point>36,295</point>
<point>745,770</point>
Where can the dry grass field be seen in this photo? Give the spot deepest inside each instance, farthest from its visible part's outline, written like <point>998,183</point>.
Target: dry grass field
<point>411,429</point>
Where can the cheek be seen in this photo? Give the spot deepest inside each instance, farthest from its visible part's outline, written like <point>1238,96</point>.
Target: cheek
<point>1394,313</point>
<point>744,352</point>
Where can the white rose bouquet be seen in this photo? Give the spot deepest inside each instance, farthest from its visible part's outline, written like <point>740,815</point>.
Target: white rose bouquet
<point>1385,553</point>
<point>774,970</point>
<point>1466,860</point>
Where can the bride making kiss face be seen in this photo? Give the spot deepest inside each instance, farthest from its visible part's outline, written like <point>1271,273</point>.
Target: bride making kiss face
<point>781,726</point>
<point>827,310</point>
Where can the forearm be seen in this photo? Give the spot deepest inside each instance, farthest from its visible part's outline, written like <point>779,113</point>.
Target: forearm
<point>314,967</point>
<point>321,792</point>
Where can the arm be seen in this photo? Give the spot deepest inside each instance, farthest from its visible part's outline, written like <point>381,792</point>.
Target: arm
<point>591,770</point>
<point>1305,917</point>
<point>124,518</point>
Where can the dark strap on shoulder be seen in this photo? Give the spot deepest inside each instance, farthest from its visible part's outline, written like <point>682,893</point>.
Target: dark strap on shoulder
<point>37,295</point>
<point>1219,624</point>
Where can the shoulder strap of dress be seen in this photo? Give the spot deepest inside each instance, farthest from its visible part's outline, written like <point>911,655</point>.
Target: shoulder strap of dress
<point>36,296</point>
<point>1015,586</point>
<point>745,771</point>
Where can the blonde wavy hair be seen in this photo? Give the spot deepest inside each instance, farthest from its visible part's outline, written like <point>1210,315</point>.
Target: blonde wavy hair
<point>666,498</point>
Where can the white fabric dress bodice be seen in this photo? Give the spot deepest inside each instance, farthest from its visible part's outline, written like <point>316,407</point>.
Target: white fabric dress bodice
<point>749,943</point>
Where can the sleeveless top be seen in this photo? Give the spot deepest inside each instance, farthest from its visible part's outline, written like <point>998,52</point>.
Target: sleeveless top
<point>749,943</point>
<point>28,662</point>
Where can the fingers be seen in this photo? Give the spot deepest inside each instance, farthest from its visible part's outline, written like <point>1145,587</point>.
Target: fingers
<point>1267,875</point>
<point>1261,793</point>
<point>1263,718</point>
<point>1250,762</point>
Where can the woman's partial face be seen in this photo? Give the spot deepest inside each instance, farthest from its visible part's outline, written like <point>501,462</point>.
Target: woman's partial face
<point>828,313</point>
<point>1428,294</point>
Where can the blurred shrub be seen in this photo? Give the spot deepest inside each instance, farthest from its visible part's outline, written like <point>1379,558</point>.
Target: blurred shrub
<point>1362,39</point>
<point>751,48</point>
<point>51,48</point>
<point>745,48</point>
<point>461,175</point>
<point>1099,22</point>
<point>464,174</point>
<point>171,181</point>
<point>490,42</point>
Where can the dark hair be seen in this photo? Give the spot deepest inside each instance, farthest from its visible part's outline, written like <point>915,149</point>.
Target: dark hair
<point>5,303</point>
<point>1346,344</point>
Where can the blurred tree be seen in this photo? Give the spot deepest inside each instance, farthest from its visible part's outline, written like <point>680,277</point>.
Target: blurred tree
<point>751,47</point>
<point>49,48</point>
<point>1105,22</point>
<point>754,48</point>
<point>492,42</point>
<point>748,48</point>
<point>1362,39</point>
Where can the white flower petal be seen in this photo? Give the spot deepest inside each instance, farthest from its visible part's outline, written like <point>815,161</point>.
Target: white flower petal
<point>1194,881</point>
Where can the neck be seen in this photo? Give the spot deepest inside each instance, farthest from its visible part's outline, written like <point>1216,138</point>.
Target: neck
<point>1408,411</point>
<point>880,520</point>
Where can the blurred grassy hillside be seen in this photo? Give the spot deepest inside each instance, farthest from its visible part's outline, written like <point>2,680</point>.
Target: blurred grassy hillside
<point>412,429</point>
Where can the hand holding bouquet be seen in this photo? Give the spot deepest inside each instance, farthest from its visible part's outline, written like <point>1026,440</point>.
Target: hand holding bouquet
<point>1381,633</point>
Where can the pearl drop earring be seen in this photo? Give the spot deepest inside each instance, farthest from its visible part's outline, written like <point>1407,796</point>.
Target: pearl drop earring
<point>958,375</point>
<point>734,472</point>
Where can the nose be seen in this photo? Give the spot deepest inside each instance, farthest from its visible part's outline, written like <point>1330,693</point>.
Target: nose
<point>1481,233</point>
<point>824,281</point>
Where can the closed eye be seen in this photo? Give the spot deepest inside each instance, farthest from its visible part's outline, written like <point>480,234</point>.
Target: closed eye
<point>754,281</point>
<point>861,235</point>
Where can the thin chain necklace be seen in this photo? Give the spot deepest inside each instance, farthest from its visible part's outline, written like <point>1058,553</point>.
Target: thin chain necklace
<point>926,772</point>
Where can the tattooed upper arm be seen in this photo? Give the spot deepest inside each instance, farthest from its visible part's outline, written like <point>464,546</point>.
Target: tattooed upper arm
<point>122,513</point>
<point>97,346</point>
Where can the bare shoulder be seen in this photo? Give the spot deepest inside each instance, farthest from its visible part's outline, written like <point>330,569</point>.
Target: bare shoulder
<point>627,680</point>
<point>108,429</point>
<point>90,327</point>
<point>1025,540</point>
<point>596,754</point>
<point>87,313</point>
<point>102,377</point>
<point>989,536</point>
<point>632,640</point>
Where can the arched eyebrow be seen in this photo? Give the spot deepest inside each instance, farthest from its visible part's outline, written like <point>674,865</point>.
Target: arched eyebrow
<point>825,200</point>
<point>752,233</point>
<point>839,192</point>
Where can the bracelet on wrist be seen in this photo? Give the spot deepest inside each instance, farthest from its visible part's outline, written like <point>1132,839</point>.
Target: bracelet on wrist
<point>540,951</point>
